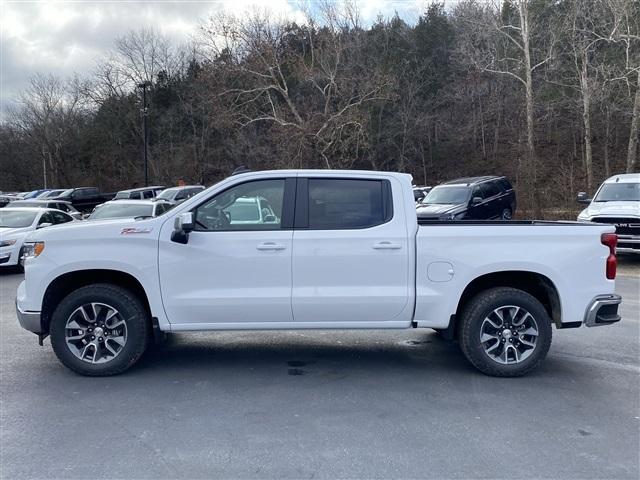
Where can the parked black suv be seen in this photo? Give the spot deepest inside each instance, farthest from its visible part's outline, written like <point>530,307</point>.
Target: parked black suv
<point>472,198</point>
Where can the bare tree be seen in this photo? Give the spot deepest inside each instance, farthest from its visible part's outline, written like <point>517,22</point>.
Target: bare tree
<point>275,60</point>
<point>49,111</point>
<point>501,42</point>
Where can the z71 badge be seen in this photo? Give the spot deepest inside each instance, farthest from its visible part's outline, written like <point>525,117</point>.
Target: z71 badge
<point>134,230</point>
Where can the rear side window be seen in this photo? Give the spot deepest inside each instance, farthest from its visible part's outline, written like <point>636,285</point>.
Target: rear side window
<point>504,184</point>
<point>348,204</point>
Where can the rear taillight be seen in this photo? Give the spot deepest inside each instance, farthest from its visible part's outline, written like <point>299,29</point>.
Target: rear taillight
<point>610,240</point>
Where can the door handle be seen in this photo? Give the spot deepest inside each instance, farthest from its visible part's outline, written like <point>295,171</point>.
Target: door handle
<point>387,246</point>
<point>270,246</point>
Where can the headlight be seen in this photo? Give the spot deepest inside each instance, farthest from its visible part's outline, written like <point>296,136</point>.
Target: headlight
<point>7,243</point>
<point>32,249</point>
<point>584,217</point>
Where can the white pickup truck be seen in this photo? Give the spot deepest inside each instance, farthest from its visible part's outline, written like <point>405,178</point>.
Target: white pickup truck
<point>333,250</point>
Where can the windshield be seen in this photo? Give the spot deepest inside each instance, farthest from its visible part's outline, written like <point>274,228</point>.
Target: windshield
<point>447,196</point>
<point>120,195</point>
<point>50,193</point>
<point>17,219</point>
<point>619,192</point>
<point>122,211</point>
<point>67,193</point>
<point>168,193</point>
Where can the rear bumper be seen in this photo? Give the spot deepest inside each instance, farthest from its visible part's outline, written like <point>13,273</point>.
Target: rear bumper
<point>603,310</point>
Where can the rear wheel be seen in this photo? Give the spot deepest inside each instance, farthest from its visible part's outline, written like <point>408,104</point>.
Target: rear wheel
<point>505,332</point>
<point>99,330</point>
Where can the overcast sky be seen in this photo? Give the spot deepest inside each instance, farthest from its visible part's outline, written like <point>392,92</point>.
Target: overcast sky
<point>70,37</point>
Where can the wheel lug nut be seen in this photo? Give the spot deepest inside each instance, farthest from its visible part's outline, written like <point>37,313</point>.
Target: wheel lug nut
<point>93,337</point>
<point>100,339</point>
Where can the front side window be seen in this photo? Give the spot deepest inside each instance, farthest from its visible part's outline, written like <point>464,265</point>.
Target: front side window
<point>243,208</point>
<point>46,218</point>
<point>346,204</point>
<point>59,217</point>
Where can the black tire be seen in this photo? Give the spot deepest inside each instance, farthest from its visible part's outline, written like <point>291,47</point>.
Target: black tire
<point>132,312</point>
<point>507,214</point>
<point>479,308</point>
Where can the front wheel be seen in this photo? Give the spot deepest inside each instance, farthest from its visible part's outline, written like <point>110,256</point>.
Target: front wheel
<point>506,214</point>
<point>505,332</point>
<point>99,330</point>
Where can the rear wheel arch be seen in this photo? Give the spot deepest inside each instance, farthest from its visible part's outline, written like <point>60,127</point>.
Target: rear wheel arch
<point>69,282</point>
<point>535,284</point>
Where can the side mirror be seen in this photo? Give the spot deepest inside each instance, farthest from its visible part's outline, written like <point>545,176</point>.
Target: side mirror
<point>270,219</point>
<point>476,200</point>
<point>582,198</point>
<point>45,225</point>
<point>182,225</point>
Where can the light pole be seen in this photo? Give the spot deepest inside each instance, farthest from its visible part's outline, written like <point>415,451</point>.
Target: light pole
<point>145,134</point>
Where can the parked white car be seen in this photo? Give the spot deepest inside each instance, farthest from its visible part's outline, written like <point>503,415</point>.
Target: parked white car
<point>617,203</point>
<point>129,209</point>
<point>340,250</point>
<point>65,207</point>
<point>16,223</point>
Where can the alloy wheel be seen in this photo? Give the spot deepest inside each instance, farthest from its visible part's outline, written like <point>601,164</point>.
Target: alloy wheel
<point>96,332</point>
<point>509,334</point>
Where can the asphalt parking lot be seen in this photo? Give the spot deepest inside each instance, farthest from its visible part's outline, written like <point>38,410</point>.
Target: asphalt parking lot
<point>324,405</point>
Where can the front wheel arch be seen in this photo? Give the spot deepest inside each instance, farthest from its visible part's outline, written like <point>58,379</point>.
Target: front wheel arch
<point>66,283</point>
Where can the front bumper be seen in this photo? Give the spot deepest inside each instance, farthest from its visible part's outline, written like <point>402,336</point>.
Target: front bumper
<point>603,310</point>
<point>29,320</point>
<point>9,256</point>
<point>628,244</point>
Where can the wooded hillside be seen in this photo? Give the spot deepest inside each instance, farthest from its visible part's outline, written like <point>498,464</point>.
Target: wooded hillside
<point>546,92</point>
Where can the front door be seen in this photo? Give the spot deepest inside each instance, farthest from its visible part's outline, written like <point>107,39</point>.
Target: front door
<point>236,267</point>
<point>350,254</point>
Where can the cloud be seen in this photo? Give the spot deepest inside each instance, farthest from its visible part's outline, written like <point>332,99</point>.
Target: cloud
<point>64,38</point>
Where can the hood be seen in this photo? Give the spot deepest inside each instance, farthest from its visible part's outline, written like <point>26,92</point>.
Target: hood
<point>612,209</point>
<point>107,228</point>
<point>435,209</point>
<point>6,232</point>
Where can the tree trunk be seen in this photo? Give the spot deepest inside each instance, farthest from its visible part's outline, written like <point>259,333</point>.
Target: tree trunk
<point>607,135</point>
<point>534,195</point>
<point>586,119</point>
<point>633,133</point>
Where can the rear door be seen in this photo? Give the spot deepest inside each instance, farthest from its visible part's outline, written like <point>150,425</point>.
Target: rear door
<point>493,198</point>
<point>350,253</point>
